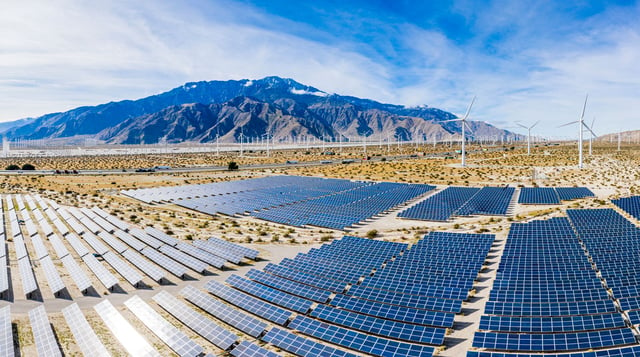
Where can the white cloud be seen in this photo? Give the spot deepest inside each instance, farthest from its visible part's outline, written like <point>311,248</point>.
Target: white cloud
<point>56,55</point>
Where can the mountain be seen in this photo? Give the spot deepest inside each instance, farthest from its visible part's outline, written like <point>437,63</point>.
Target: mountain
<point>631,136</point>
<point>284,108</point>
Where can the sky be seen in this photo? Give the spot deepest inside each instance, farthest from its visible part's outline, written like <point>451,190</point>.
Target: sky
<point>525,61</point>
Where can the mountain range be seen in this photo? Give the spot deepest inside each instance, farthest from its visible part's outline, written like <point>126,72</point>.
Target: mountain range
<point>234,110</point>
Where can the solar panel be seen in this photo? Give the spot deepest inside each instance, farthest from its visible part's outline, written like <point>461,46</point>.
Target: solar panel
<point>46,227</point>
<point>117,222</point>
<point>4,278</point>
<point>269,294</point>
<point>248,349</point>
<point>220,252</point>
<point>169,334</point>
<point>147,267</point>
<point>165,262</point>
<point>356,340</point>
<point>130,240</point>
<point>45,340</point>
<point>103,223</point>
<point>77,245</point>
<point>89,225</point>
<point>6,332</point>
<point>301,346</point>
<point>51,273</point>
<point>289,286</point>
<point>113,242</point>
<point>58,246</point>
<point>147,239</point>
<point>165,238</point>
<point>247,252</point>
<point>198,323</point>
<point>128,337</point>
<point>77,274</point>
<point>29,284</point>
<point>106,278</point>
<point>249,303</point>
<point>31,227</point>
<point>21,249</point>
<point>38,245</point>
<point>61,227</point>
<point>85,337</point>
<point>131,275</point>
<point>243,322</point>
<point>95,243</point>
<point>100,212</point>
<point>184,259</point>
<point>202,255</point>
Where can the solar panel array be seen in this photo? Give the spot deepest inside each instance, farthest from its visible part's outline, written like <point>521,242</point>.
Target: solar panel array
<point>547,297</point>
<point>169,334</point>
<point>6,332</point>
<point>87,340</point>
<point>293,200</point>
<point>45,340</point>
<point>631,205</point>
<point>552,195</point>
<point>442,205</point>
<point>313,285</point>
<point>129,338</point>
<point>613,243</point>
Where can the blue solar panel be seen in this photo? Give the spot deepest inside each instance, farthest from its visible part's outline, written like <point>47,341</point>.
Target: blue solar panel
<point>614,352</point>
<point>302,346</point>
<point>382,327</point>
<point>538,196</point>
<point>373,345</point>
<point>289,286</point>
<point>551,324</point>
<point>269,294</point>
<point>440,206</point>
<point>248,349</point>
<point>554,342</point>
<point>488,201</point>
<point>248,303</point>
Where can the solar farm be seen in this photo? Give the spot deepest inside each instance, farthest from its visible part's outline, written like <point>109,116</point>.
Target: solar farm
<point>283,264</point>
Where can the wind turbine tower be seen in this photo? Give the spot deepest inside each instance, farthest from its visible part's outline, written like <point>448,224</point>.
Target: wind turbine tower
<point>529,136</point>
<point>581,127</point>
<point>463,124</point>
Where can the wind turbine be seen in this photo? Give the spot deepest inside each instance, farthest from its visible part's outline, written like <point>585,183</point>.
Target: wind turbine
<point>528,135</point>
<point>463,124</point>
<point>581,127</point>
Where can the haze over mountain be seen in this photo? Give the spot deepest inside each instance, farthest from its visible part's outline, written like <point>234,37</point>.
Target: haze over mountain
<point>281,108</point>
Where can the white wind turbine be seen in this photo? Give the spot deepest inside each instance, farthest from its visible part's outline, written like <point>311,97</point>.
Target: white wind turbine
<point>528,135</point>
<point>463,124</point>
<point>581,127</point>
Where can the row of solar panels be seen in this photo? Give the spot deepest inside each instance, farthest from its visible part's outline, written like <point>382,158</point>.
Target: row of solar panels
<point>294,187</point>
<point>151,252</point>
<point>462,201</point>
<point>552,195</point>
<point>292,200</point>
<point>130,338</point>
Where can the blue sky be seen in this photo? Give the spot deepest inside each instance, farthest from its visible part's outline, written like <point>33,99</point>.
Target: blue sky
<point>525,61</point>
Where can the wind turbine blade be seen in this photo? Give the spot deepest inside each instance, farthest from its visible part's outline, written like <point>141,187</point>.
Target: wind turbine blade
<point>520,125</point>
<point>451,120</point>
<point>469,109</point>
<point>593,122</point>
<point>467,125</point>
<point>532,126</point>
<point>584,107</point>
<point>588,128</point>
<point>573,122</point>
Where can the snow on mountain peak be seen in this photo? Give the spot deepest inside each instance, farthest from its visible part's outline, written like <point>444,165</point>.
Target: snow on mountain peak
<point>303,92</point>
